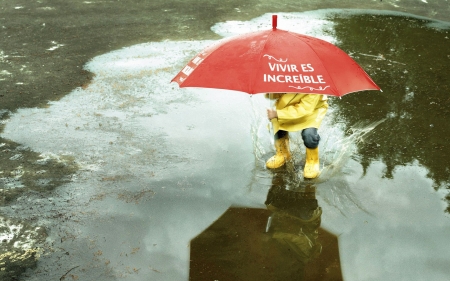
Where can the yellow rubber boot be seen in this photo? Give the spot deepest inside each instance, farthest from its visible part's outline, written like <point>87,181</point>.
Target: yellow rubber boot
<point>312,168</point>
<point>282,154</point>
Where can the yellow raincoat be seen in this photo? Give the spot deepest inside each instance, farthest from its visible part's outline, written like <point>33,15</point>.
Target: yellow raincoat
<point>298,111</point>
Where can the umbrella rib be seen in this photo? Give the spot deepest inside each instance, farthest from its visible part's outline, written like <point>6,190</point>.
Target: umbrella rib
<point>331,77</point>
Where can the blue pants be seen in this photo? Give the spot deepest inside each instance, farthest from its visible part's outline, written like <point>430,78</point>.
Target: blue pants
<point>310,137</point>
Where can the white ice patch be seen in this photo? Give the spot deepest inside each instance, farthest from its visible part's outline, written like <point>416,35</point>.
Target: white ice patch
<point>145,57</point>
<point>5,72</point>
<point>55,46</point>
<point>117,114</point>
<point>8,230</point>
<point>313,23</point>
<point>3,56</point>
<point>18,237</point>
<point>47,8</point>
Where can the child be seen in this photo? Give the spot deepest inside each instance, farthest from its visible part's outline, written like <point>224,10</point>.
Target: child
<point>297,112</point>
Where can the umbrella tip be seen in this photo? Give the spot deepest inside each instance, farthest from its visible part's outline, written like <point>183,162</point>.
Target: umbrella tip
<point>274,22</point>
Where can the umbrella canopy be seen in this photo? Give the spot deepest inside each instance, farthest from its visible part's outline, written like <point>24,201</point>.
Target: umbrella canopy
<point>275,61</point>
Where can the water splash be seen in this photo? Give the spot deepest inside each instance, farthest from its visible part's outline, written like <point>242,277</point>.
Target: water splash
<point>339,146</point>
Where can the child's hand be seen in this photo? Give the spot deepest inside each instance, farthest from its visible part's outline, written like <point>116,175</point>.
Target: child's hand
<point>271,114</point>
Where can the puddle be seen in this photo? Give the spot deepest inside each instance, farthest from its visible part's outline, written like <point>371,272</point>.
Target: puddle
<point>157,165</point>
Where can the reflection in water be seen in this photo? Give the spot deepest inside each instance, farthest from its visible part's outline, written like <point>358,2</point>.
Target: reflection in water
<point>295,220</point>
<point>408,57</point>
<point>282,242</point>
<point>295,225</point>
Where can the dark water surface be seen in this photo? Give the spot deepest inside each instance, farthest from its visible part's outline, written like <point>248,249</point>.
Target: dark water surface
<point>409,58</point>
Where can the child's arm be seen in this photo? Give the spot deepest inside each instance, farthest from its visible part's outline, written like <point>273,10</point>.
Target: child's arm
<point>305,107</point>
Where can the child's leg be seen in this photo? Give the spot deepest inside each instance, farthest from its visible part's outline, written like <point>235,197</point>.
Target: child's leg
<point>283,153</point>
<point>311,137</point>
<point>311,140</point>
<point>280,134</point>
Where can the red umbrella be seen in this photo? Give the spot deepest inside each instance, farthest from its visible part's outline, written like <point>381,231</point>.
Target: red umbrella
<point>275,61</point>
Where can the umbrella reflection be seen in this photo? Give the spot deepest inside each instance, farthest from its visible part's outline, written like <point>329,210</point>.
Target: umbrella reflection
<point>283,242</point>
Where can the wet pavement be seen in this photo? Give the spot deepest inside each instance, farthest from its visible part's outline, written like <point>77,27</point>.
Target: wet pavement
<point>108,171</point>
